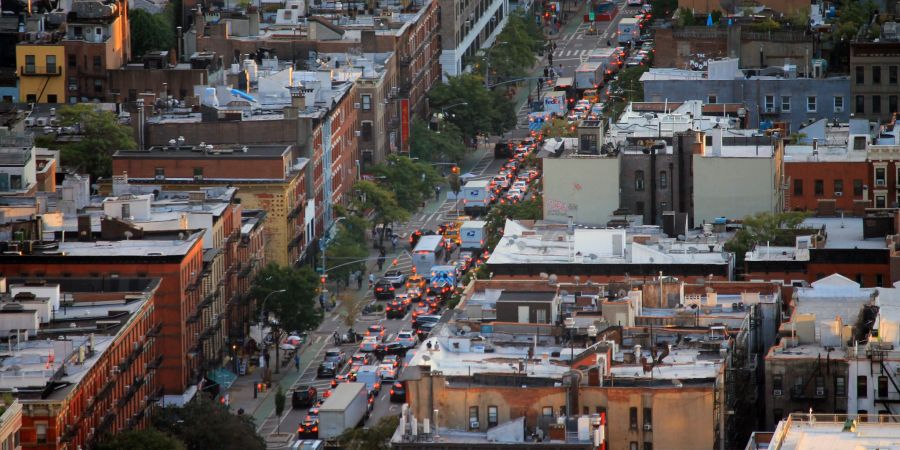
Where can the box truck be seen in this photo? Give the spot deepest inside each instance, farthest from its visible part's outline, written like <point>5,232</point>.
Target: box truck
<point>589,75</point>
<point>476,197</point>
<point>629,30</point>
<point>347,408</point>
<point>471,235</point>
<point>427,252</point>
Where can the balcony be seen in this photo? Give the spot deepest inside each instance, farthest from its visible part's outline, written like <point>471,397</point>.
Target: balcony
<point>40,71</point>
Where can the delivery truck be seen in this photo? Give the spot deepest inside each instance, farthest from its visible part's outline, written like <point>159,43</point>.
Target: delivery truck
<point>588,75</point>
<point>427,253</point>
<point>629,30</point>
<point>347,408</point>
<point>471,236</point>
<point>476,197</point>
<point>555,103</point>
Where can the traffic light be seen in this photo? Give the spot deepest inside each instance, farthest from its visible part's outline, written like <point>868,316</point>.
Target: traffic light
<point>324,278</point>
<point>455,170</point>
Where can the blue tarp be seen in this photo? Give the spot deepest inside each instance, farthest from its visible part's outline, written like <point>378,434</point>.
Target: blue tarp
<point>223,376</point>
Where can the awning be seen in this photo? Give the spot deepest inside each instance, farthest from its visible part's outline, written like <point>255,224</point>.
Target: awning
<point>222,376</point>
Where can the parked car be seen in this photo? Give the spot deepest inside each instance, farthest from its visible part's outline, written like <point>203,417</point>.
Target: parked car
<point>407,339</point>
<point>398,392</point>
<point>327,369</point>
<point>304,397</point>
<point>384,289</point>
<point>396,277</point>
<point>335,355</point>
<point>309,428</point>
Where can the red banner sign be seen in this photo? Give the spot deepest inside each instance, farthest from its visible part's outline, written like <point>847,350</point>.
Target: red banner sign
<point>404,123</point>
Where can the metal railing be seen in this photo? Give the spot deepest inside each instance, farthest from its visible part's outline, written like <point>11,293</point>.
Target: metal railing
<point>40,70</point>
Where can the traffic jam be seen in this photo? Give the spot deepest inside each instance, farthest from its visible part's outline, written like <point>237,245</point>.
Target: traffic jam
<point>419,297</point>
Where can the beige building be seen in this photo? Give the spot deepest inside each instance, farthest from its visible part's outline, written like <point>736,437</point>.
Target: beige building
<point>582,186</point>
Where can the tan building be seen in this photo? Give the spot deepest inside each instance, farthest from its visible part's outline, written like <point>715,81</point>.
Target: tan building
<point>874,79</point>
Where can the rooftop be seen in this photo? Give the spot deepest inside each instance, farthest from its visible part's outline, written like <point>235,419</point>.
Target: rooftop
<point>845,233</point>
<point>185,151</point>
<point>835,432</point>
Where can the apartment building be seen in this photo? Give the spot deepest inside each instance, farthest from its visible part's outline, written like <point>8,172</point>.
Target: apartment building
<point>873,68</point>
<point>97,40</point>
<point>468,26</point>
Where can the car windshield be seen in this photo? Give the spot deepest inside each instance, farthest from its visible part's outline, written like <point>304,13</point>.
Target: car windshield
<point>332,353</point>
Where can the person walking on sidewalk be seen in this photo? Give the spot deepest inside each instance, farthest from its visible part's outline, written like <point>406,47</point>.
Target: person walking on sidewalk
<point>297,361</point>
<point>371,280</point>
<point>394,243</point>
<point>359,280</point>
<point>437,192</point>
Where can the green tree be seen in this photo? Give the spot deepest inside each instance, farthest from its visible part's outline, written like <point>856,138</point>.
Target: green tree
<point>529,209</point>
<point>381,201</point>
<point>151,32</point>
<point>627,88</point>
<point>101,136</point>
<point>348,245</point>
<point>686,17</point>
<point>558,128</point>
<point>487,111</point>
<point>663,9</point>
<point>280,400</point>
<point>149,439</point>
<point>429,145</point>
<point>761,228</point>
<point>514,51</point>
<point>204,424</point>
<point>295,309</point>
<point>374,438</point>
<point>411,181</point>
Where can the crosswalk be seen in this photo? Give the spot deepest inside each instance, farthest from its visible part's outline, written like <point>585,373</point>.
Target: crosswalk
<point>562,53</point>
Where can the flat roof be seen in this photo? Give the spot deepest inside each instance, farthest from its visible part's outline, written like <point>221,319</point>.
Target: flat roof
<point>845,233</point>
<point>836,432</point>
<point>217,152</point>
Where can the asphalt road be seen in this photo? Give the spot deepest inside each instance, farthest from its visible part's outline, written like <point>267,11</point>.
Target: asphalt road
<point>321,339</point>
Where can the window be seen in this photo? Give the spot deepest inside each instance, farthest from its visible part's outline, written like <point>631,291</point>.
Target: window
<point>882,386</point>
<point>876,104</point>
<point>879,280</point>
<point>473,416</point>
<point>838,186</point>
<point>562,410</point>
<point>98,86</point>
<point>860,75</point>
<point>638,180</point>
<point>663,206</point>
<point>798,187</point>
<point>632,417</point>
<point>126,210</point>
<point>862,387</point>
<point>819,188</point>
<point>30,98</point>
<point>880,201</point>
<point>663,180</point>
<point>859,279</point>
<point>769,101</point>
<point>198,173</point>
<point>811,103</point>
<point>785,103</point>
<point>876,74</point>
<point>892,75</point>
<point>778,384</point>
<point>648,446</point>
<point>648,418</point>
<point>40,429</point>
<point>51,63</point>
<point>639,208</point>
<point>159,173</point>
<point>840,386</point>
<point>98,62</point>
<point>29,68</point>
<point>711,98</point>
<point>880,176</point>
<point>860,106</point>
<point>857,188</point>
<point>366,131</point>
<point>492,416</point>
<point>51,98</point>
<point>366,102</point>
<point>838,103</point>
<point>892,104</point>
<point>633,446</point>
<point>547,411</point>
<point>15,182</point>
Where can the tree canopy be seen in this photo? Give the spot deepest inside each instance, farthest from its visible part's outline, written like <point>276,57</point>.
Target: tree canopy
<point>514,51</point>
<point>372,438</point>
<point>101,136</point>
<point>487,111</point>
<point>381,201</point>
<point>203,424</point>
<point>777,229</point>
<point>150,32</point>
<point>149,439</point>
<point>411,181</point>
<point>445,144</point>
<point>558,127</point>
<point>295,309</point>
<point>349,244</point>
<point>529,209</point>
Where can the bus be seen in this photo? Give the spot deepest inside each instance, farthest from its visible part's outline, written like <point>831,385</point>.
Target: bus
<point>427,253</point>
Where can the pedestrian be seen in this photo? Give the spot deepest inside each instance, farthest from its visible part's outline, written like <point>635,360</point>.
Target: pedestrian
<point>374,233</point>
<point>297,361</point>
<point>371,280</point>
<point>608,43</point>
<point>381,262</point>
<point>394,243</point>
<point>437,192</point>
<point>322,301</point>
<point>359,280</point>
<point>550,58</point>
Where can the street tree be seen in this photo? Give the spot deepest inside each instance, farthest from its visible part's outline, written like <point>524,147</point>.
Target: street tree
<point>344,252</point>
<point>558,127</point>
<point>774,228</point>
<point>446,144</point>
<point>529,209</point>
<point>101,136</point>
<point>204,424</point>
<point>295,309</point>
<point>148,439</point>
<point>410,180</point>
<point>373,438</point>
<point>513,52</point>
<point>381,201</point>
<point>150,32</point>
<point>486,111</point>
<point>280,400</point>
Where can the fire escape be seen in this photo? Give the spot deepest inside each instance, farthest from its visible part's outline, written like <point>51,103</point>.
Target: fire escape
<point>876,352</point>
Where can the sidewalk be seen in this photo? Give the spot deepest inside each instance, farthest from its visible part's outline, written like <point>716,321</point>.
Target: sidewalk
<point>263,406</point>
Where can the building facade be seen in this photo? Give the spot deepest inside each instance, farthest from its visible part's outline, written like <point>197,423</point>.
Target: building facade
<point>874,86</point>
<point>98,40</point>
<point>42,70</point>
<point>466,28</point>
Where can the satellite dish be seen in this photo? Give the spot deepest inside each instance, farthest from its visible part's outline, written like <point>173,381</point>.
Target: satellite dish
<point>544,275</point>
<point>552,279</point>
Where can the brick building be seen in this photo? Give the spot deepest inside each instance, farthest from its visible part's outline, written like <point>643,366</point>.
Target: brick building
<point>156,74</point>
<point>874,67</point>
<point>80,383</point>
<point>98,39</point>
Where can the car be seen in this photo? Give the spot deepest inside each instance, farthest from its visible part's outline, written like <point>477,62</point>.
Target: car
<point>342,378</point>
<point>398,392</point>
<point>304,397</point>
<point>433,301</point>
<point>415,281</point>
<point>327,369</point>
<point>425,328</point>
<point>394,310</point>
<point>313,412</point>
<point>308,428</point>
<point>335,355</point>
<point>368,344</point>
<point>425,318</point>
<point>327,393</point>
<point>375,330</point>
<point>387,371</point>
<point>421,309</point>
<point>384,289</point>
<point>396,277</point>
<point>363,359</point>
<point>407,338</point>
<point>391,348</point>
<point>393,360</point>
<point>439,288</point>
<point>416,235</point>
